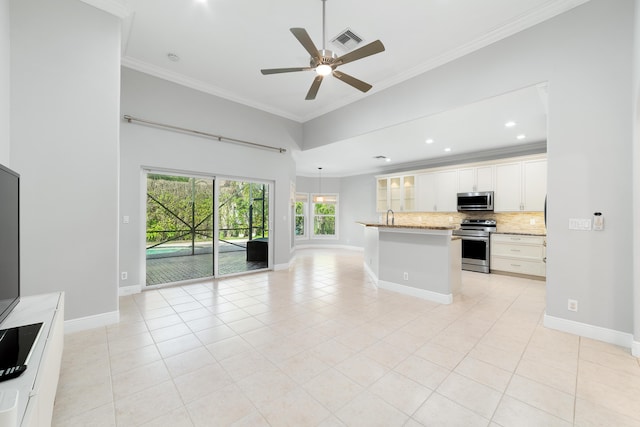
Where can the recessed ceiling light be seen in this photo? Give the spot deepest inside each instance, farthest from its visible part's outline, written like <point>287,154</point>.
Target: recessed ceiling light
<point>510,124</point>
<point>521,136</point>
<point>447,149</point>
<point>173,57</point>
<point>429,141</point>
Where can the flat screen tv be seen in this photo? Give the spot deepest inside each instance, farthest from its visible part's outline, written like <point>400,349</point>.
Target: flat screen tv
<point>9,241</point>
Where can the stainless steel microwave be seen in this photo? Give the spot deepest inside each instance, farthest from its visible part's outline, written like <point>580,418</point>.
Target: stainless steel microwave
<point>478,201</point>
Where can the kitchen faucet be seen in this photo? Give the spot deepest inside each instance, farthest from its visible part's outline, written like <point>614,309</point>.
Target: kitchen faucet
<point>392,217</point>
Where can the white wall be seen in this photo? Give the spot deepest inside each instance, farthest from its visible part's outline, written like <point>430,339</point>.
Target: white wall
<point>5,52</point>
<point>160,101</point>
<point>64,142</point>
<point>636,178</point>
<point>586,56</point>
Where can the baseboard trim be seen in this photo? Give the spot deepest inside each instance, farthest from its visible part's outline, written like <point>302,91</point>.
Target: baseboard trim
<point>599,333</point>
<point>635,348</point>
<point>91,322</point>
<point>370,272</point>
<point>129,290</point>
<point>284,266</point>
<point>348,247</point>
<point>415,292</point>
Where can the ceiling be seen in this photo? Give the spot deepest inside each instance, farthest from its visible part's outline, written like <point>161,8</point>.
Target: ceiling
<point>456,133</point>
<point>223,44</point>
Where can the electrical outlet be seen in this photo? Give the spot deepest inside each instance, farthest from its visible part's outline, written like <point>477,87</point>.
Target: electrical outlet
<point>450,219</point>
<point>572,305</point>
<point>125,219</point>
<point>405,276</point>
<point>123,275</point>
<point>532,221</point>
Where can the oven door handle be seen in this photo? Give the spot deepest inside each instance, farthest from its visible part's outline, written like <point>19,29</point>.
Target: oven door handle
<point>477,239</point>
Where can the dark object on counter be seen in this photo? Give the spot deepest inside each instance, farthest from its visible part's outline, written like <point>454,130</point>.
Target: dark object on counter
<point>16,345</point>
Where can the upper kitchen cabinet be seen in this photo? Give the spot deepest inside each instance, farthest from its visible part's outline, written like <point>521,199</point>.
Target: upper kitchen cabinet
<point>475,179</point>
<point>520,186</point>
<point>397,193</point>
<point>437,191</point>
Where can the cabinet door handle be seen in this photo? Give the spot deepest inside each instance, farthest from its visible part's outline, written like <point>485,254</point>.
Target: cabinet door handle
<point>515,250</point>
<point>515,265</point>
<point>515,238</point>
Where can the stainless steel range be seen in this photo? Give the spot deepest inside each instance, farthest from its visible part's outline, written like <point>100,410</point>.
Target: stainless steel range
<point>476,243</point>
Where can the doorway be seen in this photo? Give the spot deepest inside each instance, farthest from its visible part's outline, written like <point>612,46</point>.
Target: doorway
<point>243,226</point>
<point>185,213</point>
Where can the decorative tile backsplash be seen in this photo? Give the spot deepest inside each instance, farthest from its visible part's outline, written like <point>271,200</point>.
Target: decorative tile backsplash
<point>508,222</point>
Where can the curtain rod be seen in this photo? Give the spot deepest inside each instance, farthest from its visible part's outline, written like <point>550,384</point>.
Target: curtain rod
<point>130,119</point>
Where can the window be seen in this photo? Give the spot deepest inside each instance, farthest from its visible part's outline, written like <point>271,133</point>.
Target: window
<point>301,209</point>
<point>325,216</point>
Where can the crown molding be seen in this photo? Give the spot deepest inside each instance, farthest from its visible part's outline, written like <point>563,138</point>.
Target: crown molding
<point>117,8</point>
<point>144,67</point>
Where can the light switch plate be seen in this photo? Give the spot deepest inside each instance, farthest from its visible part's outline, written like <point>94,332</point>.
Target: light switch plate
<point>580,224</point>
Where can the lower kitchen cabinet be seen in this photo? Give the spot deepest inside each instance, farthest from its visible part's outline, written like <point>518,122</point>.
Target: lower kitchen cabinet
<point>520,254</point>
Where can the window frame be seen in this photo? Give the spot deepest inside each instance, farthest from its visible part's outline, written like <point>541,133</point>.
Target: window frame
<point>304,215</point>
<point>312,216</point>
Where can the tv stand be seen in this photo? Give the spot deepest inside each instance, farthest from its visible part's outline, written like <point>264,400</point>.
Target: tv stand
<point>36,387</point>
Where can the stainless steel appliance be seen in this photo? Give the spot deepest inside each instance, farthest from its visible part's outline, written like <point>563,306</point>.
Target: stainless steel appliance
<point>478,201</point>
<point>476,243</point>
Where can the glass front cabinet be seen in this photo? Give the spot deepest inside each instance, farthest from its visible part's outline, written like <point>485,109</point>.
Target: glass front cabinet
<point>397,193</point>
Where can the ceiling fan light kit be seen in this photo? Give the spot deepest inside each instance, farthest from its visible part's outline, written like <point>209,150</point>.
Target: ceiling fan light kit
<point>325,62</point>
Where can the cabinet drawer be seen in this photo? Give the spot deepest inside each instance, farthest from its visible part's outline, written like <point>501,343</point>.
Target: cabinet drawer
<point>533,268</point>
<point>513,238</point>
<point>519,251</point>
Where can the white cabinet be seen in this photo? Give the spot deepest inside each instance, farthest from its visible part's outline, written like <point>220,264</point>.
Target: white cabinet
<point>520,186</point>
<point>37,386</point>
<point>508,193</point>
<point>397,193</point>
<point>475,179</point>
<point>518,254</point>
<point>534,189</point>
<point>437,191</point>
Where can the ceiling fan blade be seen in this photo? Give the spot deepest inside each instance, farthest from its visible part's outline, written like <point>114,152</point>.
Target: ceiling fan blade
<point>313,90</point>
<point>350,80</point>
<point>368,50</point>
<point>284,70</point>
<point>306,42</point>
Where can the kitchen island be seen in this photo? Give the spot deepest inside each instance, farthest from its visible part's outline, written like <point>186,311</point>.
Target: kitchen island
<point>422,261</point>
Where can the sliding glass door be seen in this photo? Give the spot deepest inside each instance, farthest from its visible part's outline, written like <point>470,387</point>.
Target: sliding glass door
<point>179,243</point>
<point>243,234</point>
<point>181,214</point>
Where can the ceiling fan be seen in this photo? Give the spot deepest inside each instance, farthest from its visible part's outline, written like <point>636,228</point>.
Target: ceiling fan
<point>325,62</point>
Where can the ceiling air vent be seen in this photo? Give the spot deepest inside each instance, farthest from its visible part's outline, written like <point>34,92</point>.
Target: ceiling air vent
<point>347,40</point>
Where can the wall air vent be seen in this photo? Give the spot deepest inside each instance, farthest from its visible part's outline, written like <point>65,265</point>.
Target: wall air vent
<point>347,40</point>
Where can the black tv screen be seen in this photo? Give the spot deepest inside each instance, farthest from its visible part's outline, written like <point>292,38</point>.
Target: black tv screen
<point>9,241</point>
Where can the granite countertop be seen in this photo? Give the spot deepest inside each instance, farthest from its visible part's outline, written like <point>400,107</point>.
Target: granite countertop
<point>415,227</point>
<point>521,233</point>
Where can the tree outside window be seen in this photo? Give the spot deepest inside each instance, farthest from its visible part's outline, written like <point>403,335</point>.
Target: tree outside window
<point>302,201</point>
<point>325,214</point>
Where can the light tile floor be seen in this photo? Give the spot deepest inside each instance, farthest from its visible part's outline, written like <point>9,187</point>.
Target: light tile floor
<point>320,345</point>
